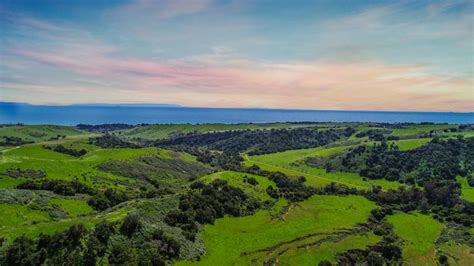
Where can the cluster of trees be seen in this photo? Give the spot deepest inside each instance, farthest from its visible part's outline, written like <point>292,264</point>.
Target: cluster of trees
<point>102,200</point>
<point>103,128</point>
<point>259,141</point>
<point>13,141</point>
<point>250,180</point>
<point>61,187</point>
<point>207,202</point>
<point>470,181</point>
<point>219,159</point>
<point>111,141</point>
<point>109,243</point>
<point>292,189</point>
<point>57,137</point>
<point>61,149</point>
<point>437,160</point>
<point>376,134</point>
<point>24,173</point>
<point>386,252</point>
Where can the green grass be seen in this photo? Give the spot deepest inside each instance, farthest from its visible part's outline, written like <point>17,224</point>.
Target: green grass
<point>419,233</point>
<point>288,157</point>
<point>418,129</point>
<point>327,250</point>
<point>20,220</point>
<point>229,237</point>
<point>8,182</point>
<point>65,167</point>
<point>467,192</point>
<point>73,207</point>
<point>458,254</point>
<point>15,215</point>
<point>236,179</point>
<point>410,144</point>
<point>38,132</point>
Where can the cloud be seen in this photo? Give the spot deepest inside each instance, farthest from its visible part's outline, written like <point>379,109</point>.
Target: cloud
<point>66,64</point>
<point>316,85</point>
<point>160,9</point>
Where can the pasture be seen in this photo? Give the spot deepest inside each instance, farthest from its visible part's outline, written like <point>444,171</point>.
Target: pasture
<point>261,237</point>
<point>419,233</point>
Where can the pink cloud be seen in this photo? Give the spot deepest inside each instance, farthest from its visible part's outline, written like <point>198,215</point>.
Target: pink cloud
<point>362,86</point>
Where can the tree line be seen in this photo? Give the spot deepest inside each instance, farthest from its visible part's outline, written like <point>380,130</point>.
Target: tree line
<point>259,141</point>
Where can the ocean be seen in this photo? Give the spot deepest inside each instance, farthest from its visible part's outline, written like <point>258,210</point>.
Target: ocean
<point>73,115</point>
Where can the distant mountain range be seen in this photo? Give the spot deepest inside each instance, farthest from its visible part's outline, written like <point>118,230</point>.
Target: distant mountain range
<point>98,104</point>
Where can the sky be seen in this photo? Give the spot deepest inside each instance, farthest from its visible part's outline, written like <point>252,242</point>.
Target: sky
<point>327,55</point>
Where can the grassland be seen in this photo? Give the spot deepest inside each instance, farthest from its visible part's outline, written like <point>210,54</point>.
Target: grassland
<point>467,192</point>
<point>458,254</point>
<point>65,167</point>
<point>418,129</point>
<point>38,132</point>
<point>419,233</point>
<point>254,239</point>
<point>410,144</point>
<point>73,207</point>
<point>20,220</point>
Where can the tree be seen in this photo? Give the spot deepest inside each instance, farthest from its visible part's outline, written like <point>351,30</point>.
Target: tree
<point>130,225</point>
<point>23,252</point>
<point>121,252</point>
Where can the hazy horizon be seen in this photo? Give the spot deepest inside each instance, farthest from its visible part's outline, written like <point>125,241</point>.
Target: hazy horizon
<point>304,55</point>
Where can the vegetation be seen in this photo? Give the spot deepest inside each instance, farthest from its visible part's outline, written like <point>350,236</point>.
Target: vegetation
<point>245,194</point>
<point>111,141</point>
<point>61,149</point>
<point>419,233</point>
<point>37,133</point>
<point>260,141</point>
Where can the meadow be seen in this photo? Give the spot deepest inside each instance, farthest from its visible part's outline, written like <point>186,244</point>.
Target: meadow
<point>419,233</point>
<point>261,237</point>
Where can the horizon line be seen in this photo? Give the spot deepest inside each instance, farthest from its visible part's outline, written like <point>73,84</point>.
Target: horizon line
<point>171,105</point>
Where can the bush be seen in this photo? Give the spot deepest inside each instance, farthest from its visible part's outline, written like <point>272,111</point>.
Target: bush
<point>130,225</point>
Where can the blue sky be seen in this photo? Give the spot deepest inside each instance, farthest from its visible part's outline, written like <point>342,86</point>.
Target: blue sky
<point>357,55</point>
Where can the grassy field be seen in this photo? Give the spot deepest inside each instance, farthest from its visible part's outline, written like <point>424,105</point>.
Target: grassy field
<point>38,132</point>
<point>410,144</point>
<point>73,207</point>
<point>458,254</point>
<point>254,239</point>
<point>21,220</point>
<point>419,233</point>
<point>66,167</point>
<point>418,129</point>
<point>467,192</point>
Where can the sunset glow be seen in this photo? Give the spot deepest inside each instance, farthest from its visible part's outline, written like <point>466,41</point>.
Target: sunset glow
<point>361,55</point>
